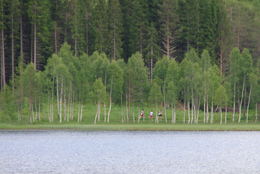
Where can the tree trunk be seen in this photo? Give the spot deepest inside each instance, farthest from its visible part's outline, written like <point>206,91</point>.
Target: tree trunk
<point>256,114</point>
<point>173,115</point>
<point>55,39</point>
<point>241,101</point>
<point>212,114</point>
<point>226,115</point>
<point>248,104</point>
<point>3,78</point>
<point>81,112</point>
<point>105,113</point>
<point>189,113</point>
<point>110,102</point>
<point>192,110</point>
<point>204,110</point>
<point>35,46</point>
<point>198,112</point>
<point>220,110</point>
<point>78,113</point>
<point>21,39</point>
<point>164,100</point>
<point>133,117</point>
<point>234,104</point>
<point>207,110</point>
<point>114,44</point>
<point>61,96</point>
<point>127,111</point>
<point>58,97</point>
<point>39,112</point>
<point>184,113</point>
<point>97,113</point>
<point>12,48</point>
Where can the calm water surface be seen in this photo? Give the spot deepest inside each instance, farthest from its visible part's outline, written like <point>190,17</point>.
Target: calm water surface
<point>66,152</point>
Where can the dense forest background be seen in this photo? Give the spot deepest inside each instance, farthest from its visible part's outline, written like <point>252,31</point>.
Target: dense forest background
<point>190,35</point>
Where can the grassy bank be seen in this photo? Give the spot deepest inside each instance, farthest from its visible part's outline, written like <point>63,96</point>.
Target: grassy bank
<point>133,127</point>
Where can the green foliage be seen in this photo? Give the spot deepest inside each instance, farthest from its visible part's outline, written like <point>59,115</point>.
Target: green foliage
<point>7,105</point>
<point>215,81</point>
<point>205,61</point>
<point>100,66</point>
<point>234,69</point>
<point>99,91</point>
<point>171,94</point>
<point>115,81</point>
<point>192,55</point>
<point>221,98</point>
<point>136,78</point>
<point>155,94</point>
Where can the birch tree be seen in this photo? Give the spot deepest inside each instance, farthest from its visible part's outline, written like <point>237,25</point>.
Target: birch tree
<point>155,97</point>
<point>115,85</point>
<point>234,72</point>
<point>173,87</point>
<point>99,94</point>
<point>205,63</point>
<point>221,100</point>
<point>245,64</point>
<point>136,81</point>
<point>160,72</point>
<point>214,83</point>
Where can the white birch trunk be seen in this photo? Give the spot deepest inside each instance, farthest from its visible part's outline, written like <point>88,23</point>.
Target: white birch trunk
<point>164,99</point>
<point>241,101</point>
<point>212,114</point>
<point>110,102</point>
<point>248,104</point>
<point>95,120</point>
<point>105,113</point>
<point>204,110</point>
<point>207,110</point>
<point>256,114</point>
<point>81,112</point>
<point>234,104</point>
<point>184,113</point>
<point>226,115</point>
<point>220,109</point>
<point>189,119</point>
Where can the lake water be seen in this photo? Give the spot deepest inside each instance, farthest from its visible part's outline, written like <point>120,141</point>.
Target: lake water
<point>82,152</point>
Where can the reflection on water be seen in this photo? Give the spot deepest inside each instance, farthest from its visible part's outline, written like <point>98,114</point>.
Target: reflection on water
<point>66,152</point>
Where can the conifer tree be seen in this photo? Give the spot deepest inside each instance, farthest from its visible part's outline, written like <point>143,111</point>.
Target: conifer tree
<point>2,44</point>
<point>114,29</point>
<point>168,21</point>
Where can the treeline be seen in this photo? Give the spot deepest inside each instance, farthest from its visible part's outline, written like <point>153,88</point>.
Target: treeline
<point>69,83</point>
<point>31,30</point>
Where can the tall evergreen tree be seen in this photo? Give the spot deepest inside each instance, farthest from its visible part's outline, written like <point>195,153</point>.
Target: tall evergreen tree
<point>114,29</point>
<point>168,21</point>
<point>2,44</point>
<point>100,25</point>
<point>39,14</point>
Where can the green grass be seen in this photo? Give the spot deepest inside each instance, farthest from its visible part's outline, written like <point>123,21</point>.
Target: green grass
<point>119,113</point>
<point>133,127</point>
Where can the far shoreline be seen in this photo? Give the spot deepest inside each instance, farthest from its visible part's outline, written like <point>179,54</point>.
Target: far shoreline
<point>132,127</point>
